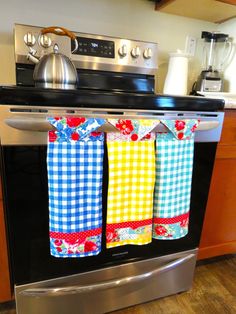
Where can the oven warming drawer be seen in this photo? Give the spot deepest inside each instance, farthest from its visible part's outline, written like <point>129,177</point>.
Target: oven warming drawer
<point>109,289</point>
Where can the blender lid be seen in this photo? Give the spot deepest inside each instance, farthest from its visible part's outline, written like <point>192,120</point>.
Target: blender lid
<point>216,36</point>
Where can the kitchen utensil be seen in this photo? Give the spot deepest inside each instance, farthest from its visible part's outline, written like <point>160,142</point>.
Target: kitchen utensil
<point>55,70</point>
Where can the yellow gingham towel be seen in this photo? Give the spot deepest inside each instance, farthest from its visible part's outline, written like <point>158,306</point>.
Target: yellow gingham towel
<point>131,159</point>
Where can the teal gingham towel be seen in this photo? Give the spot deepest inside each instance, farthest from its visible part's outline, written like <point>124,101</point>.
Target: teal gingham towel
<point>174,164</point>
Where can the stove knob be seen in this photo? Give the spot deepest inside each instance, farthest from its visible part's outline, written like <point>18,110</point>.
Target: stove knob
<point>147,54</point>
<point>135,52</point>
<point>29,39</point>
<point>45,41</point>
<point>123,51</point>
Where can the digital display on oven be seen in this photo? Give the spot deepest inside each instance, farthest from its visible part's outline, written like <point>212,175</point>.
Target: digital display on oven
<point>94,47</point>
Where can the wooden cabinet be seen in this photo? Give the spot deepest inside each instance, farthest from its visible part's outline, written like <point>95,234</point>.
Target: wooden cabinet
<point>5,289</point>
<point>219,229</point>
<point>216,11</point>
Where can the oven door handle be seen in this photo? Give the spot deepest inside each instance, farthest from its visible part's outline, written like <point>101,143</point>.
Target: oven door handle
<point>56,291</point>
<point>29,124</point>
<point>41,125</point>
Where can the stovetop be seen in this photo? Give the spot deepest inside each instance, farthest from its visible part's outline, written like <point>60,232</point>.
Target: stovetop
<point>32,96</point>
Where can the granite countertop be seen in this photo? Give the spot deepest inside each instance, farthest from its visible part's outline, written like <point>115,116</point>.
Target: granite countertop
<point>31,96</point>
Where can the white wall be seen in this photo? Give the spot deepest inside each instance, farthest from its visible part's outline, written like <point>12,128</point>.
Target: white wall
<point>229,27</point>
<point>135,19</point>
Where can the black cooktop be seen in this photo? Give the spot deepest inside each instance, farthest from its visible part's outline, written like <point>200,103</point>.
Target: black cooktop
<point>32,96</point>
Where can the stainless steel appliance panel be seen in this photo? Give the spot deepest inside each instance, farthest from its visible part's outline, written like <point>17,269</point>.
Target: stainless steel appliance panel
<point>109,289</point>
<point>20,125</point>
<point>131,56</point>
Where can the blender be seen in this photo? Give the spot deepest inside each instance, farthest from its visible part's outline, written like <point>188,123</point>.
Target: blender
<point>216,51</point>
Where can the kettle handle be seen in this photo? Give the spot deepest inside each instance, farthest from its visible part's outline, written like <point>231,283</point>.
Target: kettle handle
<point>61,31</point>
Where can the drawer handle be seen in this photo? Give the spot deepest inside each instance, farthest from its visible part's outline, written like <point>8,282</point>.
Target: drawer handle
<point>56,291</point>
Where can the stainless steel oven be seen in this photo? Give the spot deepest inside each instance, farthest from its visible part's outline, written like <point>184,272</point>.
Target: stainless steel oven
<point>120,276</point>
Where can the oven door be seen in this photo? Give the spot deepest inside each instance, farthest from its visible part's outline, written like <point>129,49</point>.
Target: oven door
<point>26,202</point>
<point>24,176</point>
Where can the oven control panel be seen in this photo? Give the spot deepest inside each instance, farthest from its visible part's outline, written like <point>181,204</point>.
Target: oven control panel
<point>95,52</point>
<point>94,47</point>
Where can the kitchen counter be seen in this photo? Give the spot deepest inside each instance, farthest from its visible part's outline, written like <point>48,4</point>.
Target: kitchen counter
<point>230,104</point>
<point>32,96</point>
<point>229,98</point>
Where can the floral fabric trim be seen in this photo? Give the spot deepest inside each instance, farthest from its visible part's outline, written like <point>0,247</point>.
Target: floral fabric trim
<point>71,129</point>
<point>171,228</point>
<point>76,243</point>
<point>132,130</point>
<point>182,129</point>
<point>132,232</point>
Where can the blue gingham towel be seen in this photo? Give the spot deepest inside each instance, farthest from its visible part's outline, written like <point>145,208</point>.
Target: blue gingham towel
<point>174,164</point>
<point>75,167</point>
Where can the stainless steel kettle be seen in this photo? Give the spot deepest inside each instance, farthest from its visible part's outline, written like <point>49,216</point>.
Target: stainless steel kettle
<point>55,70</point>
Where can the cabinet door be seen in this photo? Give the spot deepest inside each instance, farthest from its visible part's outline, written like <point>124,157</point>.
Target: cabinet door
<point>5,290</point>
<point>219,228</point>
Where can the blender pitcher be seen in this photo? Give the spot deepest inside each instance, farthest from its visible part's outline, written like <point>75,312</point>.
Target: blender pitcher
<point>216,52</point>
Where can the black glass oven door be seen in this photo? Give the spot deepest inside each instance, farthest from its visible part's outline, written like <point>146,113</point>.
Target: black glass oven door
<point>24,177</point>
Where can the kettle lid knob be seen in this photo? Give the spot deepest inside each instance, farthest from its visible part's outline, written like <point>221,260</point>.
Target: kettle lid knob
<point>55,48</point>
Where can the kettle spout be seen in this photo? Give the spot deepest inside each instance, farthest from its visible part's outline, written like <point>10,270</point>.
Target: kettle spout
<point>31,56</point>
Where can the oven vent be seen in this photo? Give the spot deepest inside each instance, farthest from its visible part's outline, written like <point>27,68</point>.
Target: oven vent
<point>25,110</point>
